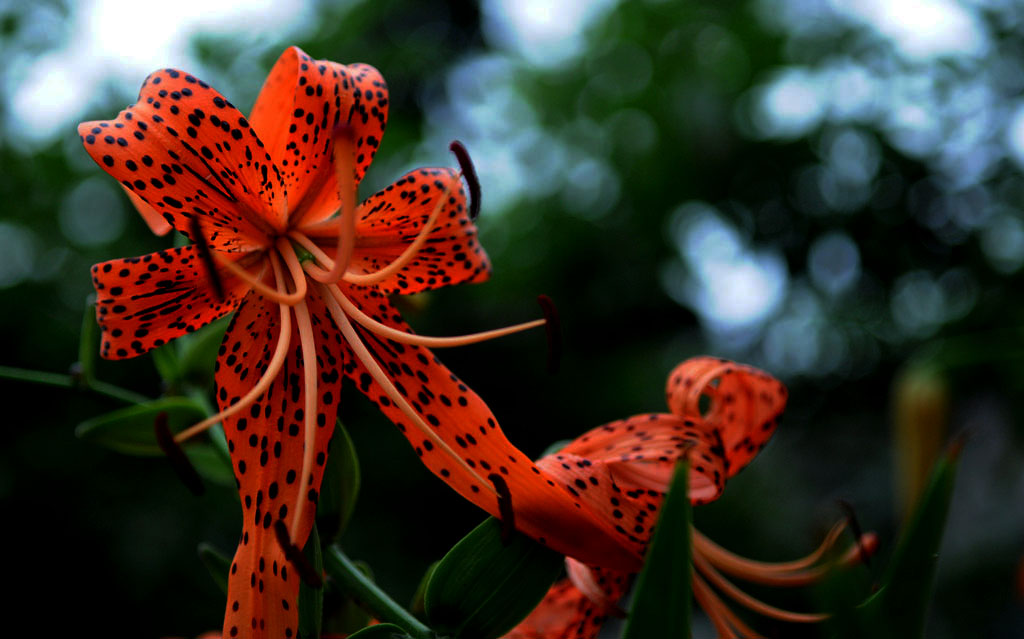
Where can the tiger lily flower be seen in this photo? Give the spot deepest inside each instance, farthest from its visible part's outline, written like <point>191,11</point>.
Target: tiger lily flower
<point>269,202</point>
<point>722,414</point>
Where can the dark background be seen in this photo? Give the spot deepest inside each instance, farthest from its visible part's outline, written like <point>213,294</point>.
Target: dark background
<point>788,184</point>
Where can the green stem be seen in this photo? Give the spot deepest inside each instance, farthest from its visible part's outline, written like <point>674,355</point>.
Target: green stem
<point>376,601</point>
<point>67,381</point>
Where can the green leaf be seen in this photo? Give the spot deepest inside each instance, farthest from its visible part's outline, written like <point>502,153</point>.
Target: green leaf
<point>167,365</point>
<point>418,605</point>
<point>217,563</point>
<point>380,631</point>
<point>898,608</point>
<point>482,587</point>
<point>661,600</point>
<point>210,463</point>
<point>311,600</point>
<point>130,430</point>
<point>198,352</point>
<point>340,487</point>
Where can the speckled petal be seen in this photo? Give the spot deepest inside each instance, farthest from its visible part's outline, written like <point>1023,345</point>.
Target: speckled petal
<point>144,302</point>
<point>301,103</point>
<point>266,444</point>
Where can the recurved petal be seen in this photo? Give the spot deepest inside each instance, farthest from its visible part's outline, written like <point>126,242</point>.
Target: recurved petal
<point>476,456</point>
<point>389,221</point>
<point>144,302</point>
<point>741,403</point>
<point>641,452</point>
<point>185,150</point>
<point>301,103</point>
<point>266,444</point>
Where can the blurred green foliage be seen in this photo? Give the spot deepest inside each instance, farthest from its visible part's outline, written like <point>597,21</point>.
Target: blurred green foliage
<point>597,167</point>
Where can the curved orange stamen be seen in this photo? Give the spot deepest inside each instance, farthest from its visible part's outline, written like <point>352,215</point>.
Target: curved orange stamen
<point>421,340</point>
<point>344,166</point>
<point>792,573</point>
<point>276,362</point>
<point>713,607</point>
<point>256,283</point>
<point>305,329</point>
<point>379,376</point>
<point>746,600</point>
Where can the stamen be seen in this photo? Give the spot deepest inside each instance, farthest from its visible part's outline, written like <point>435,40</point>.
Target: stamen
<point>403,337</point>
<point>379,376</point>
<point>203,248</point>
<point>309,410</point>
<point>468,172</point>
<point>583,578</point>
<point>179,461</point>
<point>256,283</point>
<point>410,251</point>
<point>294,555</point>
<point>273,368</point>
<point>552,328</point>
<point>747,601</point>
<point>858,533</point>
<point>750,569</point>
<point>508,514</point>
<point>713,606</point>
<point>343,152</point>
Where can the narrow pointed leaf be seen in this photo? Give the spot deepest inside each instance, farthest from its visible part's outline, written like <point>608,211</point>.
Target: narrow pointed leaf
<point>311,600</point>
<point>380,631</point>
<point>661,601</point>
<point>418,605</point>
<point>483,587</point>
<point>130,430</point>
<point>88,345</point>
<point>340,488</point>
<point>198,351</point>
<point>217,563</point>
<point>899,607</point>
<point>210,464</point>
<point>167,365</point>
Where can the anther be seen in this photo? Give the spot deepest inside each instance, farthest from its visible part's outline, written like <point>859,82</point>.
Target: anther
<point>468,172</point>
<point>203,248</point>
<point>294,555</point>
<point>179,461</point>
<point>508,514</point>
<point>858,532</point>
<point>553,330</point>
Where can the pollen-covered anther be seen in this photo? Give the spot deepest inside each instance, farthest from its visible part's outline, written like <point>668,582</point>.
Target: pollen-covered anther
<point>468,172</point>
<point>505,509</point>
<point>294,556</point>
<point>179,461</point>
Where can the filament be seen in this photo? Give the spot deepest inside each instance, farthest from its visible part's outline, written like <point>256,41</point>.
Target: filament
<point>375,371</point>
<point>273,295</point>
<point>403,337</point>
<point>713,606</point>
<point>309,410</point>
<point>344,166</point>
<point>746,600</point>
<point>280,353</point>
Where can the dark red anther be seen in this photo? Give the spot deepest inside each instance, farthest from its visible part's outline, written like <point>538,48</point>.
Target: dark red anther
<point>508,515</point>
<point>858,532</point>
<point>294,555</point>
<point>179,461</point>
<point>203,248</point>
<point>553,330</point>
<point>468,172</point>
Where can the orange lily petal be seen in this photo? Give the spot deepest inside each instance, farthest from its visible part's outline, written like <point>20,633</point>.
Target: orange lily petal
<point>545,511</point>
<point>266,444</point>
<point>567,613</point>
<point>741,403</point>
<point>641,453</point>
<point>150,216</point>
<point>144,302</point>
<point>389,220</point>
<point>186,151</point>
<point>296,112</point>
